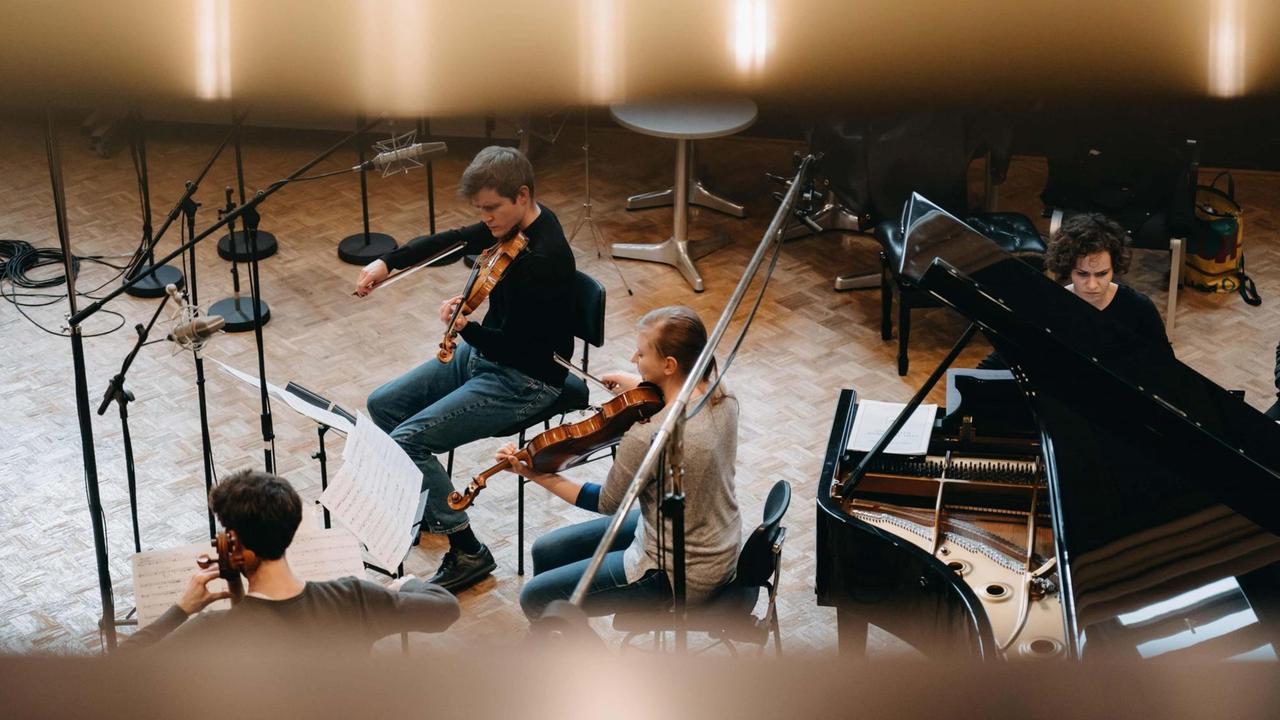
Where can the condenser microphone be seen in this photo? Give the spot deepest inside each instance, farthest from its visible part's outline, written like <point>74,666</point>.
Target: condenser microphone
<point>414,152</point>
<point>197,330</point>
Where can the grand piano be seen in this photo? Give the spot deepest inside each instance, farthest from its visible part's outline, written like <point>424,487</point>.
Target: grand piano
<point>1105,501</point>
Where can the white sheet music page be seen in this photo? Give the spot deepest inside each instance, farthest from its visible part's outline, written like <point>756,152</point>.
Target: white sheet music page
<point>319,554</point>
<point>874,418</point>
<point>375,493</point>
<point>160,576</point>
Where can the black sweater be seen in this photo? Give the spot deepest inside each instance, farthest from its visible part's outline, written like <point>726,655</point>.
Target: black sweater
<point>1137,321</point>
<point>530,309</point>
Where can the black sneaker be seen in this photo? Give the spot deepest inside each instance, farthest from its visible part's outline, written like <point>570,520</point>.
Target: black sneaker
<point>459,571</point>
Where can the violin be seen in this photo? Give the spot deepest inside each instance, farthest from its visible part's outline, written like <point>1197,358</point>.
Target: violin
<point>232,559</point>
<point>485,275</point>
<point>571,444</point>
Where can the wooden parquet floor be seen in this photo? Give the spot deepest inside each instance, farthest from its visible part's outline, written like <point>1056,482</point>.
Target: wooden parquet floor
<point>807,344</point>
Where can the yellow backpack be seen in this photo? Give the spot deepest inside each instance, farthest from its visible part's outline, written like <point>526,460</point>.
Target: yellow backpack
<point>1215,250</point>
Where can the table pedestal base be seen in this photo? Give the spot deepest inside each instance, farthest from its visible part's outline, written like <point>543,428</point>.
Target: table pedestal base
<point>678,253</point>
<point>698,195</point>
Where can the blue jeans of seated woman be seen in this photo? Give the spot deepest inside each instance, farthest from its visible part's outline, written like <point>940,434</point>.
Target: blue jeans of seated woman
<point>437,407</point>
<point>561,557</point>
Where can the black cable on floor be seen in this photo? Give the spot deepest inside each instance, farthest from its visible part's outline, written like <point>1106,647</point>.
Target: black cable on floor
<point>19,259</point>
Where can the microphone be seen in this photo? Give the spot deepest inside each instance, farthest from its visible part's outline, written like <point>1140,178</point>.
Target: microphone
<point>194,329</point>
<point>409,153</point>
<point>197,330</point>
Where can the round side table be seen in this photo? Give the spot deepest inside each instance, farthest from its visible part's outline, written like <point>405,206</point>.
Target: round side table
<point>684,122</point>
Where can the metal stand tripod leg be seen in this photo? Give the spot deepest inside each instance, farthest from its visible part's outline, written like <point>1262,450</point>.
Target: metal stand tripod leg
<point>587,220</point>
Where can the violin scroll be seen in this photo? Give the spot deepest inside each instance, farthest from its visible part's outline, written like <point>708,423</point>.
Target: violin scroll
<point>231,559</point>
<point>462,500</point>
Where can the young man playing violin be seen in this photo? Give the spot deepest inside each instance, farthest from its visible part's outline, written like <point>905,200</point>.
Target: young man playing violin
<point>503,371</point>
<point>280,612</point>
<point>636,573</point>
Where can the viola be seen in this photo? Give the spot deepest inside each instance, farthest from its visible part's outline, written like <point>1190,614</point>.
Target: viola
<point>232,559</point>
<point>485,275</point>
<point>571,444</point>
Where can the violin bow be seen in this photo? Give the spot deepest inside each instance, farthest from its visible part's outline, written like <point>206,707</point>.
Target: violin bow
<point>580,372</point>
<point>429,262</point>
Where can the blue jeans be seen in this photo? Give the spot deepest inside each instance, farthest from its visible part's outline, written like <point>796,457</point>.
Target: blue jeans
<point>436,407</point>
<point>561,557</point>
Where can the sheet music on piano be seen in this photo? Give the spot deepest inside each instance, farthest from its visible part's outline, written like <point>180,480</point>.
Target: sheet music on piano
<point>160,576</point>
<point>376,493</point>
<point>874,418</point>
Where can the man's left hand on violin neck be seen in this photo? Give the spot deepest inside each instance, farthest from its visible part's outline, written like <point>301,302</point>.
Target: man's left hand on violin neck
<point>448,308</point>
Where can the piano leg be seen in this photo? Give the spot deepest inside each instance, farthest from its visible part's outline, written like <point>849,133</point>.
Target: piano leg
<point>851,633</point>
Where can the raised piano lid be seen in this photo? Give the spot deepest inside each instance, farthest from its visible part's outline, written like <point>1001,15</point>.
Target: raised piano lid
<point>1165,488</point>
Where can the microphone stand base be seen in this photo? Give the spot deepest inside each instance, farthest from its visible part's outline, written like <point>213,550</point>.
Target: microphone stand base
<point>353,248</point>
<point>153,285</point>
<point>238,312</point>
<point>235,246</point>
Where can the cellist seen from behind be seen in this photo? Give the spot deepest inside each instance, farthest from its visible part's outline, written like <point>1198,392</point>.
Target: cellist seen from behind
<point>503,370</point>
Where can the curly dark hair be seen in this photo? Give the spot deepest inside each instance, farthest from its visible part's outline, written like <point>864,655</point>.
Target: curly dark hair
<point>263,509</point>
<point>1086,234</point>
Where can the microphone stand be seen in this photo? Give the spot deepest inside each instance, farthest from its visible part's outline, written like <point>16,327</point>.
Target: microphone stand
<point>235,246</point>
<point>117,393</point>
<point>363,248</point>
<point>155,277</point>
<point>586,220</point>
<point>424,132</point>
<point>106,627</point>
<point>76,318</point>
<point>235,310</point>
<point>251,218</point>
<point>189,207</point>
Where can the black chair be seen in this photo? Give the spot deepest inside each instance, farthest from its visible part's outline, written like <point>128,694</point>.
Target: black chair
<point>1013,232</point>
<point>930,154</point>
<point>729,615</point>
<point>588,326</point>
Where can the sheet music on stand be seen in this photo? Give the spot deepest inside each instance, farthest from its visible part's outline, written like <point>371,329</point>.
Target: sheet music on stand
<point>377,493</point>
<point>300,399</point>
<point>160,576</point>
<point>874,418</point>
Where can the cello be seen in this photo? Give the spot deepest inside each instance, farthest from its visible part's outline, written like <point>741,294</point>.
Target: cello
<point>571,444</point>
